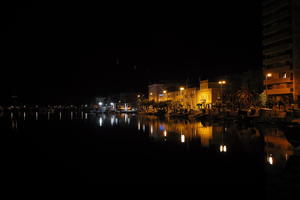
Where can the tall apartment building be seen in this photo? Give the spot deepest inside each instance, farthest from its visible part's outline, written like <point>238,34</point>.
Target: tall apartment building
<point>281,49</point>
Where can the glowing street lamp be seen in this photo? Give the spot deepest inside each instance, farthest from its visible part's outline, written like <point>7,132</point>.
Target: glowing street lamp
<point>100,103</point>
<point>222,83</point>
<point>165,93</point>
<point>270,159</point>
<point>268,75</point>
<point>181,88</point>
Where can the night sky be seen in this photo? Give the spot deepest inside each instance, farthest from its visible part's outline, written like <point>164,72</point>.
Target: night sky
<point>58,53</point>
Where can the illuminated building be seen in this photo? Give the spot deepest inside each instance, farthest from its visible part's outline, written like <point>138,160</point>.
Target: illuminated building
<point>186,97</point>
<point>209,92</point>
<point>281,49</point>
<point>156,92</point>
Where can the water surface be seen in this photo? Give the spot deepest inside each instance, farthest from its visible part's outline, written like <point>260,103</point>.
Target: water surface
<point>89,148</point>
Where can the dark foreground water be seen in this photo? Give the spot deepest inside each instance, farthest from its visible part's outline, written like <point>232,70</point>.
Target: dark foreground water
<point>85,148</point>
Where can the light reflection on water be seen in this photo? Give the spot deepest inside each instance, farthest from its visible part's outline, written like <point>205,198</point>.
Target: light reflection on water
<point>220,137</point>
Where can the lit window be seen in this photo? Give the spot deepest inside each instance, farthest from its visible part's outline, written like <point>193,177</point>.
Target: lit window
<point>283,75</point>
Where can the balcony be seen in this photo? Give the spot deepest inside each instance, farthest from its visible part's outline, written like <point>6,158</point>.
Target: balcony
<point>280,91</point>
<point>274,7</point>
<point>273,18</point>
<point>278,59</point>
<point>277,49</point>
<point>277,38</point>
<point>278,81</point>
<point>275,28</point>
<point>285,68</point>
<point>266,2</point>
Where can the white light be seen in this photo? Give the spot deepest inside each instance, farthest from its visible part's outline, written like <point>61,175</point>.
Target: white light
<point>270,160</point>
<point>165,133</point>
<point>24,115</point>
<point>223,148</point>
<point>126,118</point>
<point>100,121</point>
<point>112,121</point>
<point>139,125</point>
<point>59,115</point>
<point>144,128</point>
<point>112,104</point>
<point>151,129</point>
<point>100,103</point>
<point>86,115</point>
<point>182,139</point>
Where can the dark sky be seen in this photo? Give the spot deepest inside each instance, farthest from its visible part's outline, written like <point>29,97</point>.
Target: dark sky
<point>61,51</point>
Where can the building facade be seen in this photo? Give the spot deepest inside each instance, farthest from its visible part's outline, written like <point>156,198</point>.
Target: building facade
<point>189,98</point>
<point>156,92</point>
<point>281,50</point>
<point>209,93</point>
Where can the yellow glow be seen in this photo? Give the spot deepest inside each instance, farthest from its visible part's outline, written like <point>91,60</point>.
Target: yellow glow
<point>165,133</point>
<point>221,148</point>
<point>138,96</point>
<point>165,91</point>
<point>225,148</point>
<point>269,75</point>
<point>181,88</point>
<point>222,82</point>
<point>151,93</point>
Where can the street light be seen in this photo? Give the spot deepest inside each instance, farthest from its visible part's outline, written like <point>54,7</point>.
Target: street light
<point>267,75</point>
<point>181,88</point>
<point>222,83</point>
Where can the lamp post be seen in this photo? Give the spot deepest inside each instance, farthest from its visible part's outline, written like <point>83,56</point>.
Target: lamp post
<point>267,75</point>
<point>166,93</point>
<point>222,83</point>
